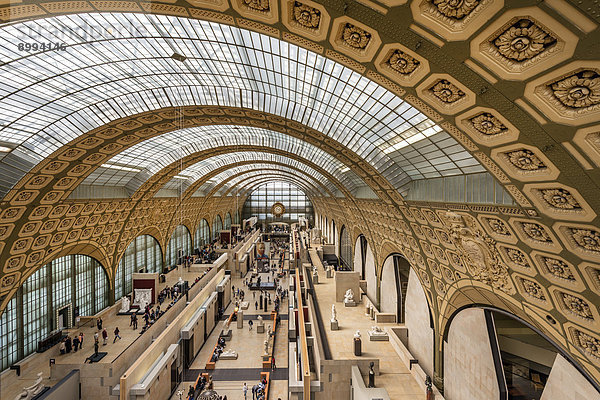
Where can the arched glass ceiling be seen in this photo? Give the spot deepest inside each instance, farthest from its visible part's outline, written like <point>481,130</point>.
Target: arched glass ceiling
<point>317,180</point>
<point>150,156</point>
<point>249,180</point>
<point>118,65</point>
<point>257,170</point>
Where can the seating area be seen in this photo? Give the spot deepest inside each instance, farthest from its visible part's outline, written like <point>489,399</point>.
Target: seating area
<point>218,349</point>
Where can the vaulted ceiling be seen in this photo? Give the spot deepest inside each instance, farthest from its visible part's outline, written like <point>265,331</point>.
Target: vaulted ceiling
<point>349,100</point>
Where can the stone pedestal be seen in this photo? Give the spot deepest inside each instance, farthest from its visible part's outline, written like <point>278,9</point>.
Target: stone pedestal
<point>226,334</point>
<point>315,278</point>
<point>350,303</point>
<point>378,336</point>
<point>244,305</point>
<point>240,319</point>
<point>260,329</point>
<point>329,272</point>
<point>357,347</point>
<point>334,325</point>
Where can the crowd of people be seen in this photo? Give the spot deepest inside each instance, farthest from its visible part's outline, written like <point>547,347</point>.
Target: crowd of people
<point>218,350</point>
<point>71,343</point>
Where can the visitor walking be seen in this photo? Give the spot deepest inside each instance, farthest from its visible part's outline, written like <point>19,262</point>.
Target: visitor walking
<point>80,340</point>
<point>250,323</point>
<point>245,390</point>
<point>273,366</point>
<point>116,334</point>
<point>256,305</point>
<point>104,336</point>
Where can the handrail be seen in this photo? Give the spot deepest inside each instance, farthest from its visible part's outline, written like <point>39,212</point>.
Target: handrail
<point>303,341</point>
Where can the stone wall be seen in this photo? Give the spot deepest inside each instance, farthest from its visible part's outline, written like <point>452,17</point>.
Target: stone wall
<point>420,334</point>
<point>468,363</point>
<point>566,383</point>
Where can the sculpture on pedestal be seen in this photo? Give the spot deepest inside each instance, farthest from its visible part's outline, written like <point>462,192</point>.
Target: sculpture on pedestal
<point>357,335</point>
<point>349,296</point>
<point>333,313</point>
<point>143,297</point>
<point>125,304</point>
<point>33,390</point>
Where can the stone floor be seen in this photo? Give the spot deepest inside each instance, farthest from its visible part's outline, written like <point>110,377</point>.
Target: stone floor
<point>394,376</point>
<point>11,385</point>
<point>249,345</point>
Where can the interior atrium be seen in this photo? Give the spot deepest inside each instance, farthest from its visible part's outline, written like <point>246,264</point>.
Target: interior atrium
<point>298,199</point>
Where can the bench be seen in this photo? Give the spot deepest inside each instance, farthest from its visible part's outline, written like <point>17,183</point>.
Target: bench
<point>212,364</point>
<point>266,364</point>
<point>206,376</point>
<point>267,377</point>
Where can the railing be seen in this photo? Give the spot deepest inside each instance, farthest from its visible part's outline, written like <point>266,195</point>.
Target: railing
<point>303,341</point>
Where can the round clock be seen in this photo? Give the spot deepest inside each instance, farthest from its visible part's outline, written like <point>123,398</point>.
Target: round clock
<point>277,209</point>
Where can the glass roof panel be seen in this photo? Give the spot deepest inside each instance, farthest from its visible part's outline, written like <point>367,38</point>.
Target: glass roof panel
<point>315,181</point>
<point>117,65</point>
<point>150,156</point>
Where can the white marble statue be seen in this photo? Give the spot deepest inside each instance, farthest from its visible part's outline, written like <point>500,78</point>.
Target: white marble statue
<point>377,330</point>
<point>142,297</point>
<point>357,335</point>
<point>349,296</point>
<point>266,343</point>
<point>33,390</point>
<point>333,313</point>
<point>125,304</point>
<point>260,320</point>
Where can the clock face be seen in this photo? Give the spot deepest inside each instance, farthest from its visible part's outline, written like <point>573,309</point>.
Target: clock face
<point>277,209</point>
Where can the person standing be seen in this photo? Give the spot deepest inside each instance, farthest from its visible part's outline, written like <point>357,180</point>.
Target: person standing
<point>273,366</point>
<point>116,334</point>
<point>245,390</point>
<point>80,340</point>
<point>250,323</point>
<point>104,336</point>
<point>256,305</point>
<point>68,344</point>
<point>75,343</point>
<point>135,322</point>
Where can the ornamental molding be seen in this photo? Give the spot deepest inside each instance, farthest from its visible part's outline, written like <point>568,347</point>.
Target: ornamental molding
<point>570,94</point>
<point>479,253</point>
<point>446,94</point>
<point>575,308</point>
<point>588,140</point>
<point>354,39</point>
<point>559,201</point>
<point>487,126</point>
<point>401,64</point>
<point>586,342</point>
<point>266,11</point>
<point>532,291</point>
<point>583,240</point>
<point>525,163</point>
<point>558,270</point>
<point>536,235</point>
<point>306,18</point>
<point>454,20</point>
<point>522,43</point>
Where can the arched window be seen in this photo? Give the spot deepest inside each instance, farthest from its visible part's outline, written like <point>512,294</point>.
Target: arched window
<point>345,249</point>
<point>202,234</point>
<point>217,226</point>
<point>54,295</point>
<point>143,252</point>
<point>227,224</point>
<point>180,245</point>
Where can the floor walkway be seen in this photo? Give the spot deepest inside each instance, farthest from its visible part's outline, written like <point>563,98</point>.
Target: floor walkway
<point>230,375</point>
<point>39,362</point>
<point>394,376</point>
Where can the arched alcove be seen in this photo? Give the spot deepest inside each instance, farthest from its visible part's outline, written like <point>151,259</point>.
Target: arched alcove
<point>345,249</point>
<point>202,236</point>
<point>217,226</point>
<point>360,255</point>
<point>143,253</point>
<point>394,286</point>
<point>180,245</point>
<point>66,287</point>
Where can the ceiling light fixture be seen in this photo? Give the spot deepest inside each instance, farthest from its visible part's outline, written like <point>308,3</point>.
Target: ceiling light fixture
<point>119,167</point>
<point>178,57</point>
